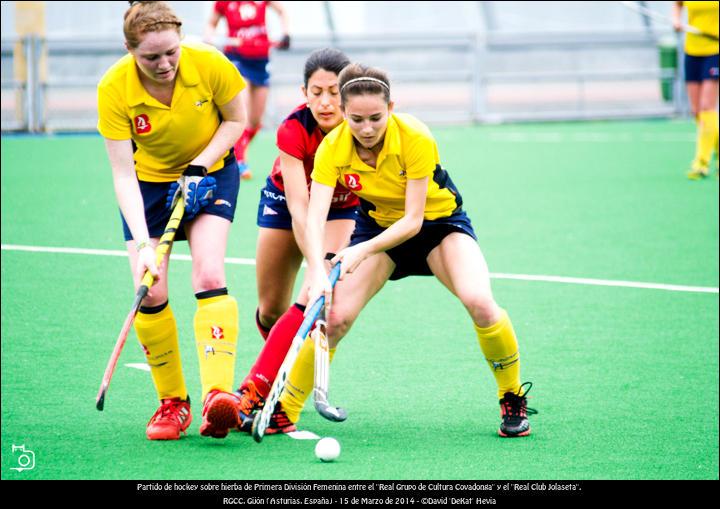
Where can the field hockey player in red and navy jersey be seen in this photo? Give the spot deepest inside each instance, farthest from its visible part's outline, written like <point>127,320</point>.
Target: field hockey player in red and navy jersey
<point>282,218</point>
<point>249,50</point>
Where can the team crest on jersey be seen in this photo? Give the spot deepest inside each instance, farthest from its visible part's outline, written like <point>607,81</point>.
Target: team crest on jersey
<point>248,11</point>
<point>352,182</point>
<point>142,124</point>
<point>217,332</point>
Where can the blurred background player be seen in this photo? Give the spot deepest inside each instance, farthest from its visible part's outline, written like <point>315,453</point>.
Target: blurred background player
<point>701,76</point>
<point>411,223</point>
<point>160,110</point>
<point>282,218</point>
<point>249,50</point>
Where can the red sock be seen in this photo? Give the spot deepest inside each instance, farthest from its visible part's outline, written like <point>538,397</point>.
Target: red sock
<point>271,357</point>
<point>250,132</point>
<point>242,143</point>
<point>240,150</point>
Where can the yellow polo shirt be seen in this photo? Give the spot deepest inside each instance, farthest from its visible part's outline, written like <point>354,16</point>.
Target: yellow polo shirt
<point>168,137</point>
<point>409,152</point>
<point>704,17</point>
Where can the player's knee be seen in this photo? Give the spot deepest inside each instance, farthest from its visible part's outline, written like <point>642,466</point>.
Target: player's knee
<point>339,324</point>
<point>156,297</point>
<point>704,109</point>
<point>268,315</point>
<point>207,279</point>
<point>482,308</point>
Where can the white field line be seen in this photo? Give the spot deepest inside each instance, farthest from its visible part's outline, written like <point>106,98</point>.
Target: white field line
<point>494,275</point>
<point>108,252</point>
<point>606,282</point>
<point>303,435</point>
<point>139,365</point>
<point>587,137</point>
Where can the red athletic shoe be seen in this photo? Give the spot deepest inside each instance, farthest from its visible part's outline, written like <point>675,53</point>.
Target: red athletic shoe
<point>280,422</point>
<point>220,414</point>
<point>172,418</point>
<point>244,170</point>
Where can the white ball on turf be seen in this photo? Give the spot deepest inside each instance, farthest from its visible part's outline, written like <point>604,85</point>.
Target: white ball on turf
<point>327,449</point>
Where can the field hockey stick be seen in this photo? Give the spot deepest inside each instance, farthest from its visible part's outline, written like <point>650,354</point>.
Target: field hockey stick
<point>262,419</point>
<point>641,9</point>
<point>147,281</point>
<point>322,373</point>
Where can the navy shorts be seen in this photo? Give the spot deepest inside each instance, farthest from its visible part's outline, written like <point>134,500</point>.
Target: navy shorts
<point>410,257</point>
<point>255,70</point>
<point>273,211</point>
<point>701,68</point>
<point>155,197</point>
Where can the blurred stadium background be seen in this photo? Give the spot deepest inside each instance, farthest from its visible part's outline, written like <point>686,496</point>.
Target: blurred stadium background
<point>457,62</point>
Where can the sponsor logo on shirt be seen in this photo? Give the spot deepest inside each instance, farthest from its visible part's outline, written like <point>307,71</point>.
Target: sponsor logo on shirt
<point>340,197</point>
<point>273,196</point>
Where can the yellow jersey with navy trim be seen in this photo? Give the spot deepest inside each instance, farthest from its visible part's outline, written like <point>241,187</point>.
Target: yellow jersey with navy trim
<point>409,151</point>
<point>167,138</point>
<point>704,17</point>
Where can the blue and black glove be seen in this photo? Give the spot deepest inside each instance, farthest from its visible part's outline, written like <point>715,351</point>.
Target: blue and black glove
<point>196,187</point>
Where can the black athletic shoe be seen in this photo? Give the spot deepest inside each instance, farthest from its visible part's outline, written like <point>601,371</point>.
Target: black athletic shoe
<point>514,412</point>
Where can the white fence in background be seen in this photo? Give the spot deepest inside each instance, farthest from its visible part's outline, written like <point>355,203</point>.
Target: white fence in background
<point>442,78</point>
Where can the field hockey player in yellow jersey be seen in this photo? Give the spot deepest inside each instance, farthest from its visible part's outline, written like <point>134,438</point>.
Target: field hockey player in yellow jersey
<point>411,223</point>
<point>170,112</point>
<point>701,76</point>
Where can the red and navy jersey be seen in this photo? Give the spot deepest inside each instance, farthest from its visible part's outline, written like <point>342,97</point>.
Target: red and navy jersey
<point>300,136</point>
<point>246,21</point>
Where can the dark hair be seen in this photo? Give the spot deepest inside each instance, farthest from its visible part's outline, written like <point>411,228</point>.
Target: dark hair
<point>359,79</point>
<point>144,17</point>
<point>330,59</point>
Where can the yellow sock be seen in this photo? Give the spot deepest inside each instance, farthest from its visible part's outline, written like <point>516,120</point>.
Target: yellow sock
<point>500,347</point>
<point>216,332</point>
<point>301,379</point>
<point>707,137</point>
<point>157,331</point>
